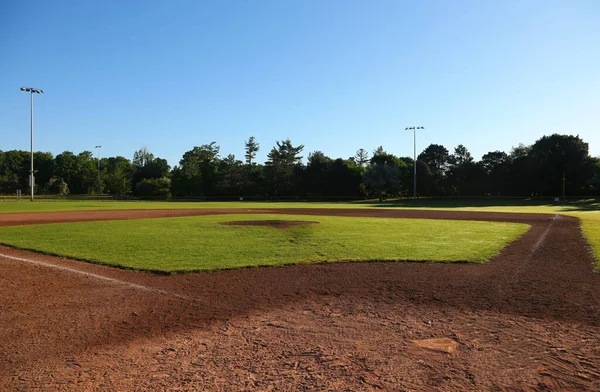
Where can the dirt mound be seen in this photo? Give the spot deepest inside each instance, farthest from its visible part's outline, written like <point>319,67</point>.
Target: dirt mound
<point>277,224</point>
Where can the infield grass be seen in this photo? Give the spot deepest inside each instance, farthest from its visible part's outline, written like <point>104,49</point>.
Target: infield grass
<point>588,211</point>
<point>203,244</point>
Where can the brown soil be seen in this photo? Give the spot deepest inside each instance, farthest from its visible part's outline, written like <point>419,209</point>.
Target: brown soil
<point>527,320</point>
<point>276,224</point>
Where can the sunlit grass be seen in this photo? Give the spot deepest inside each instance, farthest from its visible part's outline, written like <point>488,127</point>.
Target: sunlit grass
<point>588,211</point>
<point>202,244</point>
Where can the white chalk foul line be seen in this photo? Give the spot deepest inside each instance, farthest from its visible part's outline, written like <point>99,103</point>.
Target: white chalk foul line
<point>542,238</point>
<point>99,277</point>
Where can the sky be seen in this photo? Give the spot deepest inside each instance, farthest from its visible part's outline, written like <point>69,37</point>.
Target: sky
<point>333,75</point>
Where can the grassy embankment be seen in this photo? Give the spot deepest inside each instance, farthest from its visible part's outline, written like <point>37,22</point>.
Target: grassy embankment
<point>202,244</point>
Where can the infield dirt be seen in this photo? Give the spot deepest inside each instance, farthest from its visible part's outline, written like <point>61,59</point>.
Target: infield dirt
<point>527,320</point>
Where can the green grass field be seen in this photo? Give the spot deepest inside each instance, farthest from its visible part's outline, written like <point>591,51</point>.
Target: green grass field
<point>202,244</point>
<point>499,205</point>
<point>588,211</point>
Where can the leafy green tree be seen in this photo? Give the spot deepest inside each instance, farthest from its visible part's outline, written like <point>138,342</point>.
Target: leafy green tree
<point>463,177</point>
<point>557,158</point>
<point>284,161</point>
<point>15,167</point>
<point>148,167</point>
<point>58,187</point>
<point>520,172</point>
<point>316,174</point>
<point>437,158</point>
<point>495,167</point>
<point>142,157</point>
<point>66,168</point>
<point>116,175</point>
<point>197,172</point>
<point>43,163</point>
<point>154,187</point>
<point>383,178</point>
<point>231,176</point>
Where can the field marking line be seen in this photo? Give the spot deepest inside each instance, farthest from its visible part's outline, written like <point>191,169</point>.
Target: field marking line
<point>99,277</point>
<point>542,238</point>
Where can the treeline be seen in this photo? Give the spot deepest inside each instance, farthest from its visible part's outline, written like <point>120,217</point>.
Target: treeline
<point>554,165</point>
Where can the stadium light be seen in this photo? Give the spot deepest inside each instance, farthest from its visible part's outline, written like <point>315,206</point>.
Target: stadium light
<point>31,91</point>
<point>414,129</point>
<point>98,147</point>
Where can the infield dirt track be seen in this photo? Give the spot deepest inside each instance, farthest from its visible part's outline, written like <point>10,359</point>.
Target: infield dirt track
<point>527,320</point>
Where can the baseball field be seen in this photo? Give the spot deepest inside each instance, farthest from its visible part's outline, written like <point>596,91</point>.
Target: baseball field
<point>403,295</point>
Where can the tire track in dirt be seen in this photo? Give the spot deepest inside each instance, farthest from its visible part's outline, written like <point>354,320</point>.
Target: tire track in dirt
<point>525,320</point>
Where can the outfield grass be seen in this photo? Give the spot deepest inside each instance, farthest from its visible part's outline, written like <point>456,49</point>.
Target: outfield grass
<point>588,211</point>
<point>202,244</point>
<point>590,224</point>
<point>498,205</point>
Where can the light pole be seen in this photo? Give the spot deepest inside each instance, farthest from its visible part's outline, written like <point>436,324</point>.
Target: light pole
<point>31,91</point>
<point>414,129</point>
<point>98,147</point>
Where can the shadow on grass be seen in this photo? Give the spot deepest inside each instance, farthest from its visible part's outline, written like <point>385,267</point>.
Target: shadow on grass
<point>592,204</point>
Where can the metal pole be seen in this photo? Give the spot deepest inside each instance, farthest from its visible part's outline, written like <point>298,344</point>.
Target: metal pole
<point>98,170</point>
<point>98,147</point>
<point>415,163</point>
<point>31,178</point>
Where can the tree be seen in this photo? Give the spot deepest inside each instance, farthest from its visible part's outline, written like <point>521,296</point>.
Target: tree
<point>461,156</point>
<point>283,160</point>
<point>65,167</point>
<point>141,157</point>
<point>147,167</point>
<point>58,187</point>
<point>16,171</point>
<point>154,187</point>
<point>43,163</point>
<point>251,149</point>
<point>116,174</point>
<point>361,157</point>
<point>520,172</point>
<point>382,178</point>
<point>316,178</point>
<point>378,151</point>
<point>232,176</point>
<point>437,159</point>
<point>463,176</point>
<point>561,161</point>
<point>197,171</point>
<point>495,168</point>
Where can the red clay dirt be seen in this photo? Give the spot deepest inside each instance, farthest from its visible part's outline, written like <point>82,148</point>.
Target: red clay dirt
<point>527,320</point>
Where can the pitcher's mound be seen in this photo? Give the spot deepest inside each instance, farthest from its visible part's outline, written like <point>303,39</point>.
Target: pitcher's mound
<point>277,224</point>
<point>445,345</point>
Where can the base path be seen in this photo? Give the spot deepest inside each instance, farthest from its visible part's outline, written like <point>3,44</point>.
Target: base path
<point>527,320</point>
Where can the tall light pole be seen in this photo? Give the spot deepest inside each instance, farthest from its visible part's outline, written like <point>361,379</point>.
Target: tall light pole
<point>31,91</point>
<point>414,129</point>
<point>98,147</point>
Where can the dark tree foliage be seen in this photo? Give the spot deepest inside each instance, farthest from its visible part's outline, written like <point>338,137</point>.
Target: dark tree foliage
<point>552,165</point>
<point>283,168</point>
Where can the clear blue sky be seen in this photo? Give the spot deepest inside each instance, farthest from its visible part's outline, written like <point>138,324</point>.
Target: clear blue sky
<point>334,75</point>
